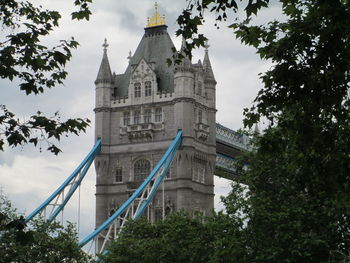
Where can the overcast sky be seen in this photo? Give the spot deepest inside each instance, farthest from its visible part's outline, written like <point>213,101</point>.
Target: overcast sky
<point>28,176</point>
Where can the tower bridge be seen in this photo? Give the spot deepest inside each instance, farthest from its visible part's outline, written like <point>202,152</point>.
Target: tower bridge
<point>158,145</point>
<point>138,113</point>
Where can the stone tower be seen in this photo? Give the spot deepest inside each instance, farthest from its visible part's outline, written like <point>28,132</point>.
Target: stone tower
<point>138,114</point>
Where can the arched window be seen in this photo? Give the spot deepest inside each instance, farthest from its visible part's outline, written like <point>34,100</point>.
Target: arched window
<point>142,168</point>
<point>126,118</point>
<point>137,117</point>
<point>199,88</point>
<point>200,116</point>
<point>158,115</point>
<point>148,88</point>
<point>118,175</point>
<point>147,116</point>
<point>137,87</point>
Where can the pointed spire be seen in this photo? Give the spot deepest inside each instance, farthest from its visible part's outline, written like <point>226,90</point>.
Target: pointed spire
<point>207,65</point>
<point>104,73</point>
<point>256,129</point>
<point>185,61</point>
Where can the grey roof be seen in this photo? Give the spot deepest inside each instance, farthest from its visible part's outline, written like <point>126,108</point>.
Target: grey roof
<point>155,47</point>
<point>207,67</point>
<point>104,73</point>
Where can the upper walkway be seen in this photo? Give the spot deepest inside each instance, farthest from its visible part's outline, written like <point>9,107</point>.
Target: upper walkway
<point>229,144</point>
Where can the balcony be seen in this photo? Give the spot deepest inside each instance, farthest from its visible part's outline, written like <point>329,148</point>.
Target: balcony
<point>142,131</point>
<point>202,131</point>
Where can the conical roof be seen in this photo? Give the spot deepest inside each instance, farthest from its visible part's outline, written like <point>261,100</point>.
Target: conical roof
<point>207,66</point>
<point>185,61</point>
<point>104,73</point>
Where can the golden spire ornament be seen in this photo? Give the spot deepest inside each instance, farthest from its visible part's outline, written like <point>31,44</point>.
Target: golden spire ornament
<point>156,19</point>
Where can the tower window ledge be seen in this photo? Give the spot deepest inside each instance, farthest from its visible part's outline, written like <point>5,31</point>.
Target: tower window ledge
<point>119,100</point>
<point>203,136</point>
<point>202,131</point>
<point>164,94</point>
<point>139,127</point>
<point>202,127</point>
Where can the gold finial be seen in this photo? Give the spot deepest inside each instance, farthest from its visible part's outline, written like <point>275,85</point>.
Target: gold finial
<point>156,19</point>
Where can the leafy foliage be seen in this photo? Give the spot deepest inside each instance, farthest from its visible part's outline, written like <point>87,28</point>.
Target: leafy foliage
<point>37,129</point>
<point>297,205</point>
<point>37,67</point>
<point>40,242</point>
<point>179,238</point>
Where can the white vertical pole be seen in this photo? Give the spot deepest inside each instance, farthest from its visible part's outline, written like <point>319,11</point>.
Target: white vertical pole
<point>79,210</point>
<point>62,207</point>
<point>163,200</point>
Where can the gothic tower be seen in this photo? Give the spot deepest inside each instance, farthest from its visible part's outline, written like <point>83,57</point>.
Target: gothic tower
<point>138,114</point>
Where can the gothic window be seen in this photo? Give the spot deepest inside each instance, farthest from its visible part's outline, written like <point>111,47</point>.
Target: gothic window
<point>137,117</point>
<point>114,93</point>
<point>118,175</point>
<point>147,116</point>
<point>137,87</point>
<point>148,88</point>
<point>158,115</point>
<point>195,176</point>
<point>126,118</point>
<point>200,116</point>
<point>168,174</point>
<point>142,168</point>
<point>198,170</point>
<point>198,173</point>
<point>199,88</point>
<point>201,173</point>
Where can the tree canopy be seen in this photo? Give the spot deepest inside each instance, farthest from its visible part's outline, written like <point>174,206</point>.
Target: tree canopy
<point>181,237</point>
<point>37,242</point>
<point>36,67</point>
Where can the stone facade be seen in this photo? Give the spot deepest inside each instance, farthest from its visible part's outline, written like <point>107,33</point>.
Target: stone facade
<point>138,114</point>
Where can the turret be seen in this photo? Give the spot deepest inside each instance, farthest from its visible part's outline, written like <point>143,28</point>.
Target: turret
<point>184,77</point>
<point>209,79</point>
<point>104,82</point>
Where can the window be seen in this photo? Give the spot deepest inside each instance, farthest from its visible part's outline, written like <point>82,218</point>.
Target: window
<point>201,174</point>
<point>148,88</point>
<point>158,115</point>
<point>198,169</point>
<point>142,169</point>
<point>147,116</point>
<point>126,118</point>
<point>118,175</point>
<point>198,173</point>
<point>137,87</point>
<point>168,174</point>
<point>137,117</point>
<point>200,88</point>
<point>114,93</point>
<point>200,116</point>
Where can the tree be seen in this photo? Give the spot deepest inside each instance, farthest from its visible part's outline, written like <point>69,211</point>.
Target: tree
<point>297,205</point>
<point>37,67</point>
<point>181,237</point>
<point>39,242</point>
